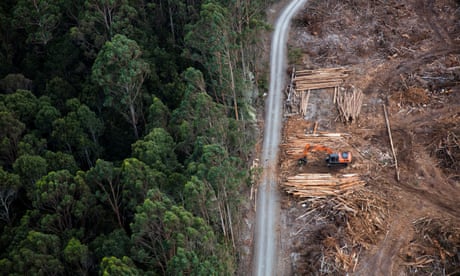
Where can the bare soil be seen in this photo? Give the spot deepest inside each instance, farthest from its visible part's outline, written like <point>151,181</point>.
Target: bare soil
<point>404,54</point>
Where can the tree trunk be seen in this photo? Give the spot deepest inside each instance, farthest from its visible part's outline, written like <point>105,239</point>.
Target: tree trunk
<point>133,120</point>
<point>232,84</point>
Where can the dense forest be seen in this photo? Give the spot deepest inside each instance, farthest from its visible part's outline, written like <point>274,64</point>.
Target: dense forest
<point>126,127</point>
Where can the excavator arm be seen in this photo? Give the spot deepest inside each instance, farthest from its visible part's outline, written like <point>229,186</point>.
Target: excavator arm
<point>303,159</point>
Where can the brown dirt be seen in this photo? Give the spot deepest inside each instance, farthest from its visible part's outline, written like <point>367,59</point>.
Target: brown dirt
<point>404,54</point>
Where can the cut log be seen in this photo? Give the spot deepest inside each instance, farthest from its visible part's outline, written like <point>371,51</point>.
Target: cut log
<point>391,142</point>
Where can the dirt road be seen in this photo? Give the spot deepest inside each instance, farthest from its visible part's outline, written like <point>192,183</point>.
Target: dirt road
<point>266,237</point>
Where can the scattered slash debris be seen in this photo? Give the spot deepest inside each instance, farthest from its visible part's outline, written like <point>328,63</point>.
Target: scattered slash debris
<point>348,223</point>
<point>435,249</point>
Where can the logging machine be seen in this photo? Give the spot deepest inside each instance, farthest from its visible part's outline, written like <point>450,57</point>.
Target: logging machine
<point>332,159</point>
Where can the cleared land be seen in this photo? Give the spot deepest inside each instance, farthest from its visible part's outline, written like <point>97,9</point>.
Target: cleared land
<point>404,55</point>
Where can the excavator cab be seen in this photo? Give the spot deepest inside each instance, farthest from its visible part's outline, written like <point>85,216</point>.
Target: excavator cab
<point>340,159</point>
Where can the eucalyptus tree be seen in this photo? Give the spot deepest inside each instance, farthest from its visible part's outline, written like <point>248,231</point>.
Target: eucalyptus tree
<point>39,18</point>
<point>9,186</point>
<point>64,202</point>
<point>12,129</point>
<point>37,254</point>
<point>211,41</point>
<point>100,21</point>
<point>215,185</point>
<point>78,133</point>
<point>23,104</point>
<point>170,240</point>
<point>198,116</point>
<point>118,266</point>
<point>121,71</point>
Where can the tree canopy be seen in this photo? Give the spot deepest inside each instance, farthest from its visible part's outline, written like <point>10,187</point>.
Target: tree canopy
<point>124,135</point>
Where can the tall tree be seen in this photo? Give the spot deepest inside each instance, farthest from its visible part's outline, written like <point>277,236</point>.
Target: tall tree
<point>170,240</point>
<point>78,132</point>
<point>39,18</point>
<point>10,136</point>
<point>30,169</point>
<point>214,49</point>
<point>63,201</point>
<point>158,114</point>
<point>198,117</point>
<point>101,21</point>
<point>120,70</point>
<point>77,257</point>
<point>123,189</point>
<point>23,104</point>
<point>157,150</point>
<point>105,176</point>
<point>38,254</point>
<point>221,175</point>
<point>115,266</point>
<point>138,179</point>
<point>45,116</point>
<point>9,186</point>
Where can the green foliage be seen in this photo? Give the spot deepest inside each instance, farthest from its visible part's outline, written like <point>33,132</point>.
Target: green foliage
<point>77,256</point>
<point>120,70</point>
<point>45,117</point>
<point>138,178</point>
<point>30,169</point>
<point>216,187</point>
<point>32,145</point>
<point>156,149</point>
<point>101,111</point>
<point>158,115</point>
<point>104,180</point>
<point>13,82</point>
<point>100,21</point>
<point>59,91</point>
<point>118,267</point>
<point>116,244</point>
<point>294,55</point>
<point>12,129</point>
<point>198,116</point>
<point>63,201</point>
<point>9,186</point>
<point>57,161</point>
<point>166,235</point>
<point>78,133</point>
<point>215,49</point>
<point>39,18</point>
<point>38,254</point>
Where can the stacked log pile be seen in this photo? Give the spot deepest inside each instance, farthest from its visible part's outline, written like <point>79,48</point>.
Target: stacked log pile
<point>305,182</point>
<point>319,185</point>
<point>303,81</point>
<point>318,79</point>
<point>349,101</point>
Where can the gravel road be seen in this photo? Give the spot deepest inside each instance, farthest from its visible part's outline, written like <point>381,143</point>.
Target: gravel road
<point>267,216</point>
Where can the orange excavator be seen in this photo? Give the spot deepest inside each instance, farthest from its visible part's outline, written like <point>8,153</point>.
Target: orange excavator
<point>332,159</point>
